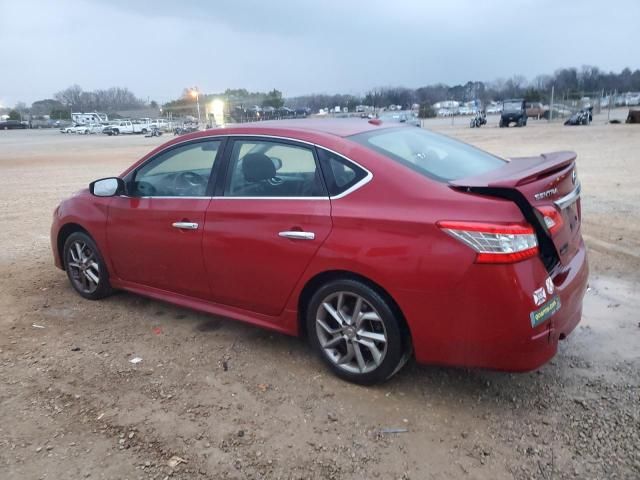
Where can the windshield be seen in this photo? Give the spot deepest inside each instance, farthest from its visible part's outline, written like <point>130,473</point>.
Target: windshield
<point>512,106</point>
<point>429,154</point>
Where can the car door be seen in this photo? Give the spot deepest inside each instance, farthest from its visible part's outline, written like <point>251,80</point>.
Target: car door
<point>155,231</point>
<point>271,216</point>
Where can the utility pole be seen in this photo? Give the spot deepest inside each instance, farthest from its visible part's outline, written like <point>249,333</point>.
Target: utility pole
<point>551,104</point>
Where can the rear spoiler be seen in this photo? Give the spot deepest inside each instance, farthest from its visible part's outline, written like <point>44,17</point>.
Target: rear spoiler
<point>502,183</point>
<point>519,171</point>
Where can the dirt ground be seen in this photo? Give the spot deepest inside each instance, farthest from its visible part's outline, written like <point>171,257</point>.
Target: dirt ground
<point>215,399</point>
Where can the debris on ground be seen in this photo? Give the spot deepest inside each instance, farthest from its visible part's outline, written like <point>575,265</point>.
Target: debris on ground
<point>175,461</point>
<point>394,430</point>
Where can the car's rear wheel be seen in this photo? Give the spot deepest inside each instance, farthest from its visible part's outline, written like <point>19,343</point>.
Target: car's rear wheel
<point>356,332</point>
<point>85,267</point>
<point>116,132</point>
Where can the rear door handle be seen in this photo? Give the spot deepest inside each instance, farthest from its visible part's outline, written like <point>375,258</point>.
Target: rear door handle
<point>185,225</point>
<point>297,235</point>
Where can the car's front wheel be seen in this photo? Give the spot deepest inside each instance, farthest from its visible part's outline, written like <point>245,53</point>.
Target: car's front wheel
<point>85,267</point>
<point>356,332</point>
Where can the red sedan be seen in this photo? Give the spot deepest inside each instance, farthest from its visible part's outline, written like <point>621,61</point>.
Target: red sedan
<point>377,241</point>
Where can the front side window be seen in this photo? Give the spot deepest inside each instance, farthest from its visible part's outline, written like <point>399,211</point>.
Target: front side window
<point>435,156</point>
<point>272,169</point>
<point>181,172</point>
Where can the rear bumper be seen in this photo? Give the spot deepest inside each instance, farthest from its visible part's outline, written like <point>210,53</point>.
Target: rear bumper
<point>485,320</point>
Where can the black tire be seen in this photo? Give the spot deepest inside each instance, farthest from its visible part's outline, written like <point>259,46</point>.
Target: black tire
<point>75,246</point>
<point>144,131</point>
<point>501,123</point>
<point>116,132</point>
<point>397,348</point>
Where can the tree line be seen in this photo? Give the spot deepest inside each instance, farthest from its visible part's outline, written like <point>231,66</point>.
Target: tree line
<point>570,82</point>
<point>74,98</point>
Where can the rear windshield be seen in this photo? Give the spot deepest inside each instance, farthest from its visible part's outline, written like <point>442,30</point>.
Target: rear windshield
<point>512,106</point>
<point>432,155</point>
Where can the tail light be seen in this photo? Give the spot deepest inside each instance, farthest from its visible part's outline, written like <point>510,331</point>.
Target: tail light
<point>552,218</point>
<point>495,242</point>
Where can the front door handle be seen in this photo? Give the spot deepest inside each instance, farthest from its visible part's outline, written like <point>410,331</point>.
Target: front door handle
<point>297,235</point>
<point>185,225</point>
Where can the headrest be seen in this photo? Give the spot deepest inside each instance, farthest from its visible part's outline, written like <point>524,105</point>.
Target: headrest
<point>257,167</point>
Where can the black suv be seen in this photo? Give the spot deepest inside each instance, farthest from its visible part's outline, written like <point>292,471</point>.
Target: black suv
<point>11,124</point>
<point>513,111</point>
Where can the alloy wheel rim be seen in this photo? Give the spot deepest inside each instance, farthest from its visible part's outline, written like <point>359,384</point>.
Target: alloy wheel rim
<point>351,332</point>
<point>83,267</point>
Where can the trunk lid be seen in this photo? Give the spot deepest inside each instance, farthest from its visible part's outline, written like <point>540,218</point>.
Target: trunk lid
<point>539,185</point>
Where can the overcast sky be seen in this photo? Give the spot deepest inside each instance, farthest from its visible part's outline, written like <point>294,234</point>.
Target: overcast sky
<point>158,47</point>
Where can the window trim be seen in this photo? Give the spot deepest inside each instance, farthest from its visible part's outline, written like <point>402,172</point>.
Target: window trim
<point>227,138</point>
<point>360,183</point>
<point>222,186</point>
<point>215,168</point>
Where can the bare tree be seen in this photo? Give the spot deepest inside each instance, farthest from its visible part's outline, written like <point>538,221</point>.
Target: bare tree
<point>70,97</point>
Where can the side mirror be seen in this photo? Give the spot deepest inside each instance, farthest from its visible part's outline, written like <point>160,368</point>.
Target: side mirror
<point>107,187</point>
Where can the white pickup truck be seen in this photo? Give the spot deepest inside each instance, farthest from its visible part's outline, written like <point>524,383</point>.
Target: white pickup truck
<point>126,126</point>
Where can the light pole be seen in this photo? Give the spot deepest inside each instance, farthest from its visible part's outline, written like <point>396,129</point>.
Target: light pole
<point>195,94</point>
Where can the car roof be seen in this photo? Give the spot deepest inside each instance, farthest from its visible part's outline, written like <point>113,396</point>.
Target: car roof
<point>341,127</point>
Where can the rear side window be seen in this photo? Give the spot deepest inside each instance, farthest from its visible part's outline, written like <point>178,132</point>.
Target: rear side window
<point>339,173</point>
<point>273,169</point>
<point>432,155</point>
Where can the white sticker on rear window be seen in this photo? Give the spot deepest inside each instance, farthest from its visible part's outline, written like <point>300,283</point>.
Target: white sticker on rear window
<point>549,285</point>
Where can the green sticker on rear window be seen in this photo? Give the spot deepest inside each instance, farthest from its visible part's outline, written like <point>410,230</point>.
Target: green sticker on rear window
<point>544,312</point>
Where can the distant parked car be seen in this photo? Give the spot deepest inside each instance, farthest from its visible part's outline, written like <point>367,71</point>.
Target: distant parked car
<point>12,124</point>
<point>285,112</point>
<point>535,109</point>
<point>160,124</point>
<point>400,116</point>
<point>69,128</point>
<point>124,126</point>
<point>90,128</point>
<point>513,111</point>
<point>559,111</point>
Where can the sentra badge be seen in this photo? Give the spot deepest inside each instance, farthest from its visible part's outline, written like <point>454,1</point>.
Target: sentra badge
<point>546,194</point>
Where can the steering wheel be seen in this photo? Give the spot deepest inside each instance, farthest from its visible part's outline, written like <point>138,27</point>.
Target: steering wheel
<point>190,183</point>
<point>145,189</point>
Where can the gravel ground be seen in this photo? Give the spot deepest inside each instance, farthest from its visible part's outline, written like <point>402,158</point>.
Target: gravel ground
<point>213,398</point>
